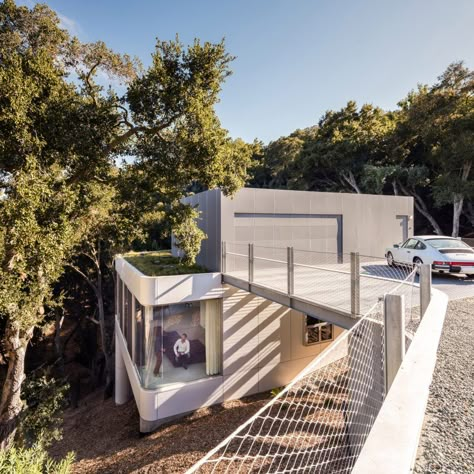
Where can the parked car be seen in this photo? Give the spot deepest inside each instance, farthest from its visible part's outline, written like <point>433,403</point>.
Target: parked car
<point>444,254</point>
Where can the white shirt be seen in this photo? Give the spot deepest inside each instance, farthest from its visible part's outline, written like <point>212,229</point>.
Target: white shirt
<point>181,347</point>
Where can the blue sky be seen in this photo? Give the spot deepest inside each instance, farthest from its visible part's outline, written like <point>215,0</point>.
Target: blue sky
<point>295,58</point>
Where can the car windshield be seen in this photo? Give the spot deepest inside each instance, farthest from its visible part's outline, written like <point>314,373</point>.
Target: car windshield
<point>448,244</point>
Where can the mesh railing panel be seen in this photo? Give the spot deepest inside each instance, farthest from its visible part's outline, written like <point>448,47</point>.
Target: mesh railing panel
<point>270,267</point>
<point>236,259</point>
<point>318,423</point>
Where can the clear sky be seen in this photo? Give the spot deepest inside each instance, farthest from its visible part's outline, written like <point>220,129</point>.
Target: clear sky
<point>295,58</point>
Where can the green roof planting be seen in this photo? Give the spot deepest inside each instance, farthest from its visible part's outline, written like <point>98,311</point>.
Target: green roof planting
<point>160,263</point>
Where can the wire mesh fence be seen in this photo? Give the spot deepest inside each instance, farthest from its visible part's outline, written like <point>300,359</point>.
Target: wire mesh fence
<point>319,422</point>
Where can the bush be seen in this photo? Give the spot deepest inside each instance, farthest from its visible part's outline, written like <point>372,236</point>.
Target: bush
<point>34,460</point>
<point>44,399</point>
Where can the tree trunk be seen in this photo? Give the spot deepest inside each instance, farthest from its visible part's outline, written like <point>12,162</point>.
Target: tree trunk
<point>11,404</point>
<point>458,199</point>
<point>422,208</point>
<point>109,378</point>
<point>458,203</point>
<point>350,179</point>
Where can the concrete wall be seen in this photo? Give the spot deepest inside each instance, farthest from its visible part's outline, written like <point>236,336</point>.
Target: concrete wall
<point>263,344</point>
<point>302,219</point>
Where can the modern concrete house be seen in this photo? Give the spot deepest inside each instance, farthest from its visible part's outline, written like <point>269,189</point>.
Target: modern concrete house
<point>244,337</point>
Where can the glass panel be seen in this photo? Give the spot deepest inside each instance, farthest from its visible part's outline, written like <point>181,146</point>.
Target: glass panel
<point>176,350</point>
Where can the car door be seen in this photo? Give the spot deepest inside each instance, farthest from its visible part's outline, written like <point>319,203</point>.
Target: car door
<point>407,251</point>
<point>421,252</point>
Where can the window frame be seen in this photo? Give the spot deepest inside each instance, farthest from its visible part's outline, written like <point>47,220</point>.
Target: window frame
<point>319,325</point>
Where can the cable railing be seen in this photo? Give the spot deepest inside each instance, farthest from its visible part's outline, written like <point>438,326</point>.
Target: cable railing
<point>321,420</point>
<point>346,281</point>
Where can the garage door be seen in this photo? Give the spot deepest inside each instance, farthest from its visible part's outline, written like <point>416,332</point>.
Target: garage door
<point>315,232</point>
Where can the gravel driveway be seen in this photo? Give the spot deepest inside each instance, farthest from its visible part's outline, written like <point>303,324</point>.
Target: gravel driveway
<point>447,440</point>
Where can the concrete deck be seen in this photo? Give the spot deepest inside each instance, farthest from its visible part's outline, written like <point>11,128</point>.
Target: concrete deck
<point>326,287</point>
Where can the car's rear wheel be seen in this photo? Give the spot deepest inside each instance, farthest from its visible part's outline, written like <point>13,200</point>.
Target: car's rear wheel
<point>390,261</point>
<point>417,261</point>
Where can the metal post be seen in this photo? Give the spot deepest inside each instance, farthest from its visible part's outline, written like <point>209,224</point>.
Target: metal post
<point>394,324</point>
<point>224,258</point>
<point>290,270</point>
<point>251,261</point>
<point>355,284</point>
<point>425,288</point>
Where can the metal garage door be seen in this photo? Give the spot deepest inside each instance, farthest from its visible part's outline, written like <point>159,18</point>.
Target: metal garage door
<point>315,232</point>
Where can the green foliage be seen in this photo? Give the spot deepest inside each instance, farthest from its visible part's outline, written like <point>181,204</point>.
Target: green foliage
<point>33,460</point>
<point>41,417</point>
<point>188,236</point>
<point>161,263</point>
<point>274,392</point>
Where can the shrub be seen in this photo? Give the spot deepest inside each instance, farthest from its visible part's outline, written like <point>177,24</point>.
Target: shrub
<point>33,460</point>
<point>44,400</point>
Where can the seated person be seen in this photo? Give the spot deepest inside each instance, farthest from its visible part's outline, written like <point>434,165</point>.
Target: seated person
<point>182,351</point>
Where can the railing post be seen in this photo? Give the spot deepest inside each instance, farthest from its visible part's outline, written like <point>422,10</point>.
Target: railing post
<point>251,263</point>
<point>355,284</point>
<point>425,287</point>
<point>224,257</point>
<point>394,329</point>
<point>290,270</point>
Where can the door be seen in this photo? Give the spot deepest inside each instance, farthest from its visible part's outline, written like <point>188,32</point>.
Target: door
<point>403,227</point>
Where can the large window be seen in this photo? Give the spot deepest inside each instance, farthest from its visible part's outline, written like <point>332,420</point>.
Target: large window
<point>316,331</point>
<point>171,343</point>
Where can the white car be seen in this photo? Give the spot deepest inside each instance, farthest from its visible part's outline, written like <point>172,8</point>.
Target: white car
<point>445,254</point>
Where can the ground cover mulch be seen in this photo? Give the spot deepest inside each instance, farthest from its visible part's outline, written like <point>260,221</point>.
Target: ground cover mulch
<point>105,437</point>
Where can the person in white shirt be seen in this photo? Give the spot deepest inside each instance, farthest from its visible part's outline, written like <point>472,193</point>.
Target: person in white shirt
<point>182,351</point>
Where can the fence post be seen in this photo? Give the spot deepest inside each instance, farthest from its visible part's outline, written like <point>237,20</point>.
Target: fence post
<point>355,284</point>
<point>224,257</point>
<point>394,325</point>
<point>250,263</point>
<point>290,271</point>
<point>425,287</point>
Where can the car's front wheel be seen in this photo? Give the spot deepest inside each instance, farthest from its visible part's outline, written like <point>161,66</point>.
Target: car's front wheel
<point>390,261</point>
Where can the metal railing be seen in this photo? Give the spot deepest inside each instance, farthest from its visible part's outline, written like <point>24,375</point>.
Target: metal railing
<point>349,282</point>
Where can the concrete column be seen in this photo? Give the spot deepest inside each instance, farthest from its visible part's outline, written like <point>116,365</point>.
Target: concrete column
<point>425,288</point>
<point>123,389</point>
<point>394,317</point>
<point>355,284</point>
<point>291,271</point>
<point>251,263</point>
<point>224,258</point>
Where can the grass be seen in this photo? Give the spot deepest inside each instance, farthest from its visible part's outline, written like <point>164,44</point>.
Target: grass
<point>161,263</point>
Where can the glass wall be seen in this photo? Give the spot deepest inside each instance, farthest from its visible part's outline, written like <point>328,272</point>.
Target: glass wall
<point>172,343</point>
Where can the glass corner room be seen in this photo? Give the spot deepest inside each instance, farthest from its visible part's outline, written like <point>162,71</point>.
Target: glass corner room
<point>175,343</point>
